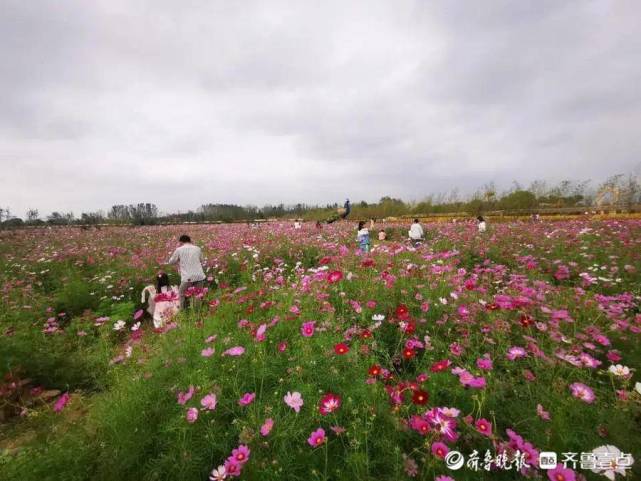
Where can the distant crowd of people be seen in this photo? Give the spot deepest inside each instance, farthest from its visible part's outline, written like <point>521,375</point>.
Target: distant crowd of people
<point>164,300</point>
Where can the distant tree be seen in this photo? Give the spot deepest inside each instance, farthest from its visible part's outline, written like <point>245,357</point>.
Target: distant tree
<point>13,222</point>
<point>518,200</point>
<point>92,218</point>
<point>56,218</point>
<point>32,215</point>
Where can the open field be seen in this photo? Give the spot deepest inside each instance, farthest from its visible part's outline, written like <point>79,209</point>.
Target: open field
<point>309,360</point>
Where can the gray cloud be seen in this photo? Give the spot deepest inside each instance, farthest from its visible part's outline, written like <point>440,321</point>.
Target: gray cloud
<point>252,102</point>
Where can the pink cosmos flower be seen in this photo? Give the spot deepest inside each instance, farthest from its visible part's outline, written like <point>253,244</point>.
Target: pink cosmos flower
<point>443,477</point>
<point>338,430</point>
<point>582,392</point>
<point>247,399</point>
<point>260,332</point>
<point>294,310</point>
<point>207,352</point>
<point>515,352</point>
<point>267,426</point>
<point>614,356</point>
<point>61,402</point>
<point>420,425</point>
<point>410,467</point>
<point>232,468</point>
<point>282,346</point>
<point>183,397</point>
<point>294,400</point>
<point>440,449</point>
<point>241,454</point>
<point>234,351</point>
<point>307,329</point>
<point>561,474</point>
<point>484,427</point>
<point>209,402</point>
<point>484,363</point>
<point>317,438</point>
<point>329,403</point>
<point>138,314</point>
<point>192,415</point>
<point>542,413</point>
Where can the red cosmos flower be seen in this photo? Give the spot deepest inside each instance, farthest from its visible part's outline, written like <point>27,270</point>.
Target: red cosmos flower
<point>366,334</point>
<point>408,353</point>
<point>410,328</point>
<point>402,312</point>
<point>325,260</point>
<point>341,348</point>
<point>420,397</point>
<point>374,370</point>
<point>334,277</point>
<point>367,263</point>
<point>329,403</point>
<point>439,366</point>
<point>493,306</point>
<point>526,320</point>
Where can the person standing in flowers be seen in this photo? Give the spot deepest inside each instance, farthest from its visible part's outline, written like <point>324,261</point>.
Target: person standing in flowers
<point>190,264</point>
<point>341,213</point>
<point>362,237</point>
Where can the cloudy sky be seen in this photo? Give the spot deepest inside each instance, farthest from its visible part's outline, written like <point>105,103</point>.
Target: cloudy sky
<point>186,102</point>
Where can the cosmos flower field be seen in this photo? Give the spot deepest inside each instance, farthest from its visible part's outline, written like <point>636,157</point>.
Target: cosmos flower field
<point>304,359</point>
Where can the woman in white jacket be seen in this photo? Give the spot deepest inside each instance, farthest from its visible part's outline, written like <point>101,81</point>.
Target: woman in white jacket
<point>416,233</point>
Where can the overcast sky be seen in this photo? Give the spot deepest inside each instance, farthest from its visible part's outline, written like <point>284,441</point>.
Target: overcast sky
<point>187,102</point>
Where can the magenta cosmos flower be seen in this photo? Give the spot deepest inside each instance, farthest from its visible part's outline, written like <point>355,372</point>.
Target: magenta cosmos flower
<point>440,449</point>
<point>484,427</point>
<point>240,455</point>
<point>247,399</point>
<point>329,403</point>
<point>61,402</point>
<point>307,329</point>
<point>582,392</point>
<point>561,474</point>
<point>294,400</point>
<point>317,438</point>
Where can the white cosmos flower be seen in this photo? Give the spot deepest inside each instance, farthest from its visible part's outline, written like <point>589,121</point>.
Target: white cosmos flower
<point>610,461</point>
<point>378,317</point>
<point>637,387</point>
<point>119,325</point>
<point>218,474</point>
<point>619,370</point>
<point>136,326</point>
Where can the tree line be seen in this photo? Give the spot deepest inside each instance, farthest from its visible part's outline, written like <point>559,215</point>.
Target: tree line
<point>621,190</point>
